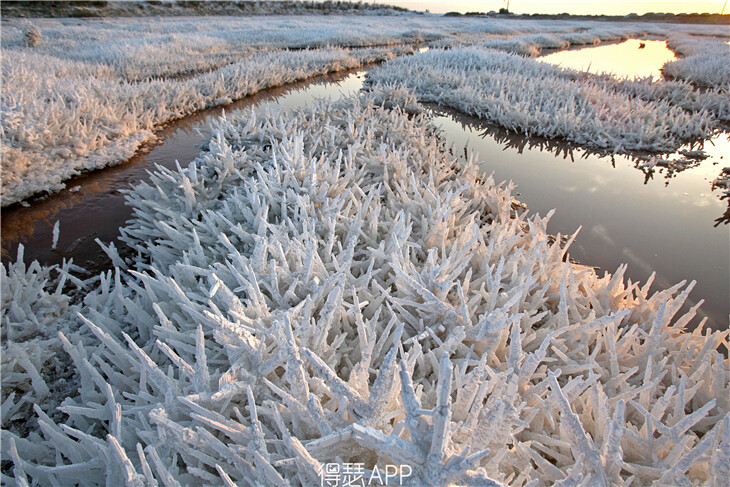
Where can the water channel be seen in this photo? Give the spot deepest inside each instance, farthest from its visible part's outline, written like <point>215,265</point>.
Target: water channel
<point>675,226</point>
<point>93,207</point>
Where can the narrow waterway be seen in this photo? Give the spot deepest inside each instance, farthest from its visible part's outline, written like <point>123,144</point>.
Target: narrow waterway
<point>92,207</point>
<point>671,224</point>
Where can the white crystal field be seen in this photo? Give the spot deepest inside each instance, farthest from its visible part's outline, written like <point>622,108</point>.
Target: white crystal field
<point>330,285</point>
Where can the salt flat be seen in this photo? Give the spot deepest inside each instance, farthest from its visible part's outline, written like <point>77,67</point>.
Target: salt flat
<point>81,94</point>
<point>330,285</point>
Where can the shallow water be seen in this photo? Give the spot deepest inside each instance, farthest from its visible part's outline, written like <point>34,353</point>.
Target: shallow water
<point>93,207</point>
<point>623,59</point>
<point>673,226</point>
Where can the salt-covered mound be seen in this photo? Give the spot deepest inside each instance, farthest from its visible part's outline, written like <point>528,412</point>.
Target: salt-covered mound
<point>705,61</point>
<point>329,286</point>
<point>535,98</point>
<point>63,117</point>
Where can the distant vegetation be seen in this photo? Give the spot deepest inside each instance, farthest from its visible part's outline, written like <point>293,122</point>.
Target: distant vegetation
<point>188,7</point>
<point>693,18</point>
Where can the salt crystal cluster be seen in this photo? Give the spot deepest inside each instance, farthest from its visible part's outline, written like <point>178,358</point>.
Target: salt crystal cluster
<point>704,61</point>
<point>95,90</point>
<point>61,118</point>
<point>673,165</point>
<point>36,305</point>
<point>539,99</point>
<point>329,286</point>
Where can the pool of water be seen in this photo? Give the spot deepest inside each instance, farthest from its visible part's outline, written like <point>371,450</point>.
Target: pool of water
<point>623,59</point>
<point>673,227</point>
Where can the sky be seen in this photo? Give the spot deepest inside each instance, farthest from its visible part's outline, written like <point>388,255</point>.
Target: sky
<point>615,7</point>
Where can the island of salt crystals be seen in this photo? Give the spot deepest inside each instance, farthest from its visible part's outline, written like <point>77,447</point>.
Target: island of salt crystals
<point>539,99</point>
<point>62,118</point>
<point>330,286</point>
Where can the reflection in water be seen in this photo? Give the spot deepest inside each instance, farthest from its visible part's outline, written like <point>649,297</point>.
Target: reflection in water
<point>96,209</point>
<point>625,218</point>
<point>724,219</point>
<point>625,59</point>
<point>690,156</point>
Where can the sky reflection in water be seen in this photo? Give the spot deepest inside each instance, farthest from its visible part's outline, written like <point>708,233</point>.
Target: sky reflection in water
<point>667,226</point>
<point>624,59</point>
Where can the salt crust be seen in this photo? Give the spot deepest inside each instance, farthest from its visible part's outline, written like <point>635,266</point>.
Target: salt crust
<point>89,92</point>
<point>329,286</point>
<point>540,99</point>
<point>60,118</point>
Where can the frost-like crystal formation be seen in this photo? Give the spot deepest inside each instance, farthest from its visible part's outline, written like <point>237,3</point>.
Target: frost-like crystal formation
<point>524,95</point>
<point>61,118</point>
<point>95,90</point>
<point>328,286</point>
<point>705,62</point>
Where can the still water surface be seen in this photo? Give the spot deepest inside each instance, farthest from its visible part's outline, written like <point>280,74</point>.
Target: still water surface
<point>673,226</point>
<point>623,59</point>
<point>667,226</point>
<point>94,208</point>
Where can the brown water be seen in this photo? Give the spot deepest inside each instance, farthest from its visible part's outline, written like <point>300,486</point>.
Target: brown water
<point>623,59</point>
<point>671,226</point>
<point>675,226</point>
<point>94,208</point>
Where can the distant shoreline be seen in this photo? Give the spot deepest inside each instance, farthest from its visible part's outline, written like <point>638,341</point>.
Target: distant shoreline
<point>150,8</point>
<point>147,8</point>
<point>694,18</point>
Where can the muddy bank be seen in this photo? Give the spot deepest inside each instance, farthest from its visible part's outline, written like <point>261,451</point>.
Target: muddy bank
<point>93,207</point>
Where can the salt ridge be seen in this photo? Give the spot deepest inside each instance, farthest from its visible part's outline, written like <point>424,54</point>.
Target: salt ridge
<point>533,98</point>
